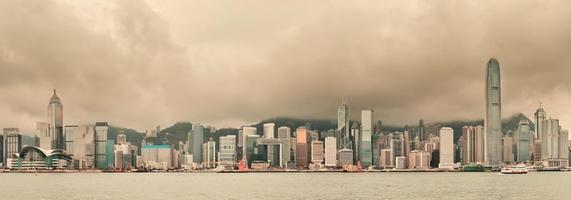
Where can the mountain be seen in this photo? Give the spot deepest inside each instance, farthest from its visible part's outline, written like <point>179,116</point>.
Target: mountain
<point>179,131</point>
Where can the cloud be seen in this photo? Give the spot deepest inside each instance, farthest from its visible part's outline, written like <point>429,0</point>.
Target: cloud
<point>143,63</point>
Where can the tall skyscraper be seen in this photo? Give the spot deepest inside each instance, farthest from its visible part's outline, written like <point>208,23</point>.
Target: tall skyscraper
<point>493,116</point>
<point>195,140</point>
<point>468,145</point>
<point>540,117</point>
<point>446,147</point>
<point>209,154</point>
<point>421,131</point>
<point>507,149</point>
<point>523,139</point>
<point>317,152</point>
<point>366,153</point>
<point>55,117</point>
<point>101,158</point>
<point>550,139</point>
<point>302,154</point>
<point>343,124</point>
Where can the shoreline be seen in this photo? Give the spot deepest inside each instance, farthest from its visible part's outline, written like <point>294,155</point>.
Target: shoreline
<point>254,171</point>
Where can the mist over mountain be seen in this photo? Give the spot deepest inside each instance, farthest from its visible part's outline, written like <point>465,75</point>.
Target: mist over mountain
<point>178,132</point>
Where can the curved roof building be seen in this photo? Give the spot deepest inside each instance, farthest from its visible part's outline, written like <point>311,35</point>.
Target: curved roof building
<point>31,157</point>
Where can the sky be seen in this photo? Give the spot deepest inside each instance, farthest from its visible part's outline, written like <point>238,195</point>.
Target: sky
<point>143,63</point>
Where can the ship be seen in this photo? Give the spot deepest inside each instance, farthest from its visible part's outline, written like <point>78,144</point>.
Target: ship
<point>473,168</point>
<point>516,169</point>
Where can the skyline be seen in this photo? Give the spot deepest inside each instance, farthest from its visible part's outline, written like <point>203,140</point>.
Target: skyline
<point>139,64</point>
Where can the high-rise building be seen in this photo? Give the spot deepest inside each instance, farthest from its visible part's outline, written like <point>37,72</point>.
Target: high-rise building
<point>385,158</point>
<point>330,151</point>
<point>540,117</point>
<point>12,143</point>
<point>523,140</point>
<point>356,138</point>
<point>55,117</point>
<point>406,144</point>
<point>101,146</point>
<point>343,120</point>
<point>493,116</point>
<point>209,154</point>
<point>366,153</point>
<point>45,135</point>
<point>317,153</point>
<point>419,160</point>
<point>70,132</point>
<point>227,151</point>
<point>272,150</point>
<point>472,144</point>
<point>302,145</point>
<point>245,132</point>
<point>550,139</point>
<point>156,156</point>
<point>195,140</point>
<point>250,152</point>
<point>421,131</point>
<point>564,145</point>
<point>507,149</point>
<point>446,148</point>
<point>396,146</point>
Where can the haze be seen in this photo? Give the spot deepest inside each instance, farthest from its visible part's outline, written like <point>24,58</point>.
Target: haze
<point>138,64</point>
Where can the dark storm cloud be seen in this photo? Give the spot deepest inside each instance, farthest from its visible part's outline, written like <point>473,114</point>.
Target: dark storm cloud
<point>142,63</point>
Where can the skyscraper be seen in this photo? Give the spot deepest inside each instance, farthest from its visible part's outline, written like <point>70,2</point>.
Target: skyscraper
<point>330,151</point>
<point>366,154</point>
<point>302,154</point>
<point>101,158</point>
<point>195,138</point>
<point>55,117</point>
<point>540,117</point>
<point>12,142</point>
<point>227,151</point>
<point>493,116</point>
<point>317,153</point>
<point>343,124</point>
<point>421,131</point>
<point>523,140</point>
<point>446,148</point>
<point>507,149</point>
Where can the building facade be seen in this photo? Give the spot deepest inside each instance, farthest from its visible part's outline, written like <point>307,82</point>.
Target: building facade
<point>493,117</point>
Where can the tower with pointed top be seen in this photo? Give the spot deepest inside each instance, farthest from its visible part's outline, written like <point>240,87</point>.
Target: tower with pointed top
<point>55,117</point>
<point>493,117</point>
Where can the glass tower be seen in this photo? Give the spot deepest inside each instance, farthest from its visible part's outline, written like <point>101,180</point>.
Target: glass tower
<point>55,117</point>
<point>492,120</point>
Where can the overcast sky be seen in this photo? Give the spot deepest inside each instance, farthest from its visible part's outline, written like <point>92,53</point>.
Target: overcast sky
<point>138,64</point>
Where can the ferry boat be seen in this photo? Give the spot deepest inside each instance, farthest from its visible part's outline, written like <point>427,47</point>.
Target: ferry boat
<point>473,168</point>
<point>517,169</point>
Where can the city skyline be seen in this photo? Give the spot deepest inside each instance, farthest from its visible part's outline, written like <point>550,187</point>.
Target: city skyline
<point>149,63</point>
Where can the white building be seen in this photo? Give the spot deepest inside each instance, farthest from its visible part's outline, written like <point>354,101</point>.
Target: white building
<point>330,152</point>
<point>446,148</point>
<point>400,162</point>
<point>228,151</point>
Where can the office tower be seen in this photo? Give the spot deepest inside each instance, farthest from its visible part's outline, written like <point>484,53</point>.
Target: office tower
<point>156,156</point>
<point>209,154</point>
<point>523,140</point>
<point>396,146</point>
<point>123,152</point>
<point>45,135</point>
<point>269,130</point>
<point>250,152</point>
<point>272,150</point>
<point>70,134</point>
<point>416,143</point>
<point>564,145</point>
<point>468,145</point>
<point>406,144</point>
<point>228,151</point>
<point>12,143</point>
<point>493,117</point>
<point>330,152</point>
<point>376,148</point>
<point>343,133</point>
<point>240,138</point>
<point>317,156</point>
<point>480,144</point>
<point>419,160</point>
<point>550,139</point>
<point>366,153</point>
<point>421,131</point>
<point>540,117</point>
<point>537,149</point>
<point>195,140</point>
<point>101,159</point>
<point>284,132</point>
<point>385,158</point>
<point>302,153</point>
<point>245,132</point>
<point>507,149</point>
<point>356,138</point>
<point>55,117</point>
<point>446,147</point>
